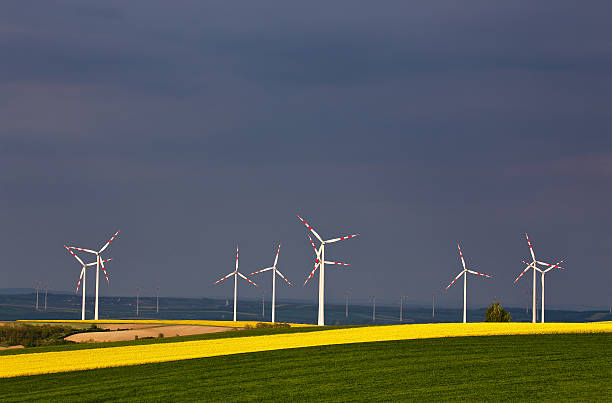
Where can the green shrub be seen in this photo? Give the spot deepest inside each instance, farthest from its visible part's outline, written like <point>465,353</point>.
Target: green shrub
<point>34,335</point>
<point>496,313</point>
<point>265,325</point>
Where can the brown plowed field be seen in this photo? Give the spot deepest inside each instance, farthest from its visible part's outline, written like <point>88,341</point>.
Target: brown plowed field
<point>126,326</point>
<point>123,335</point>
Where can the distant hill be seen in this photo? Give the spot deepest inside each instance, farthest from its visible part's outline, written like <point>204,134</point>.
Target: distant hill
<point>13,291</point>
<point>15,305</point>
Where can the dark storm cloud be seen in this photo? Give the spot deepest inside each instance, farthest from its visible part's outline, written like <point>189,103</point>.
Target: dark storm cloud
<point>194,126</point>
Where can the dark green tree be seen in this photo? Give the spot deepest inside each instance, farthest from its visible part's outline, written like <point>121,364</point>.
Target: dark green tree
<point>496,313</point>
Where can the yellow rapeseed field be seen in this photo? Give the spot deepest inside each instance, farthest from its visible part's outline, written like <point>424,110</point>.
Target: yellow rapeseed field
<point>163,322</point>
<point>61,361</point>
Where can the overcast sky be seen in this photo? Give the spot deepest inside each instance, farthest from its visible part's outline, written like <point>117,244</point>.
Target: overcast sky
<point>193,126</point>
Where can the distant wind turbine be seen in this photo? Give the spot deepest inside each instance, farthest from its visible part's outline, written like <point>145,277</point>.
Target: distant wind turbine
<point>99,262</point>
<point>37,287</point>
<point>235,274</point>
<point>83,277</point>
<point>46,291</point>
<point>157,299</point>
<point>401,318</point>
<point>373,309</point>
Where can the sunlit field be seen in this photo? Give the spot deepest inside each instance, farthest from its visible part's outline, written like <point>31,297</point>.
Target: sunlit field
<point>60,361</point>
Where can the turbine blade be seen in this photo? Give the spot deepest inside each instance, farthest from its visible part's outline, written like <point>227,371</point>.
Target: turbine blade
<point>236,257</point>
<point>530,248</point>
<point>341,238</point>
<point>104,270</point>
<point>229,275</point>
<point>109,242</point>
<point>261,271</point>
<point>310,228</point>
<point>479,274</point>
<point>524,271</point>
<point>455,279</point>
<point>461,255</point>
<point>75,256</point>
<point>277,252</point>
<point>81,249</point>
<point>556,265</point>
<point>246,278</point>
<point>79,283</point>
<point>338,263</point>
<point>316,266</point>
<point>550,265</point>
<point>283,277</point>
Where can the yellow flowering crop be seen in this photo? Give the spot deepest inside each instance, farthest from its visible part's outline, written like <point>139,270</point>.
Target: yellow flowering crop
<point>163,322</point>
<point>61,361</point>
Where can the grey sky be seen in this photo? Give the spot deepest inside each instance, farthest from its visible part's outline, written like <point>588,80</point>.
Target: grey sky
<point>193,126</point>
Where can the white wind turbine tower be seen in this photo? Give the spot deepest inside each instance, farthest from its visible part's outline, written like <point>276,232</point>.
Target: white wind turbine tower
<point>534,265</point>
<point>83,277</point>
<point>99,262</point>
<point>37,287</point>
<point>235,273</point>
<point>320,263</point>
<point>464,274</point>
<point>274,273</point>
<point>542,273</point>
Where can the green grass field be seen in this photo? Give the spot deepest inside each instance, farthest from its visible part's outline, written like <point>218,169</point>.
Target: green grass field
<point>540,367</point>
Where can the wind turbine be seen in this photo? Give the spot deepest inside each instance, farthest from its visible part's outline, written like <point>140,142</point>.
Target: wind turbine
<point>46,291</point>
<point>433,306</point>
<point>542,273</point>
<point>347,295</point>
<point>464,274</point>
<point>373,308</point>
<point>402,297</point>
<point>83,277</point>
<point>99,262</point>
<point>37,287</point>
<point>137,299</point>
<point>534,265</point>
<point>274,273</point>
<point>157,299</point>
<point>235,273</point>
<point>320,263</point>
